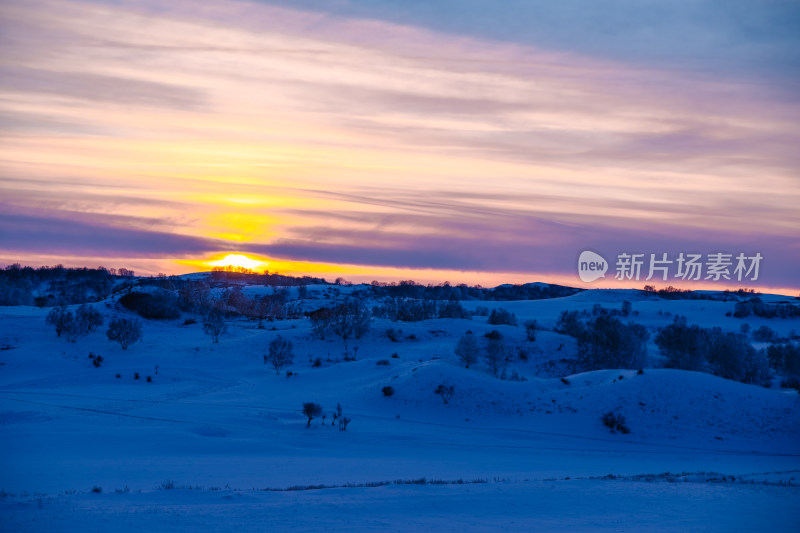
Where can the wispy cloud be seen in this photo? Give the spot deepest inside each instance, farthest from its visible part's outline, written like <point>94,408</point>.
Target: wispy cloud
<point>327,135</point>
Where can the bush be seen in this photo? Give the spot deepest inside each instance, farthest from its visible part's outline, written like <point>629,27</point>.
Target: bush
<point>731,356</point>
<point>382,362</point>
<point>125,331</point>
<point>74,326</point>
<point>281,354</point>
<point>453,309</point>
<point>685,347</point>
<point>481,310</point>
<point>764,334</point>
<point>791,382</point>
<point>59,317</point>
<point>467,348</point>
<point>445,391</point>
<point>392,334</point>
<point>502,316</point>
<point>387,391</point>
<point>156,305</point>
<point>785,358</point>
<point>608,343</point>
<point>615,422</point>
<point>530,330</point>
<point>569,323</point>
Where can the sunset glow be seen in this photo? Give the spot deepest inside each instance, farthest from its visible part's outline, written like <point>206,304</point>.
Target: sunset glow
<point>360,139</point>
<point>238,260</point>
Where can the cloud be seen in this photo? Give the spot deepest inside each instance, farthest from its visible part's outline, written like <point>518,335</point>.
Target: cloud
<point>99,88</point>
<point>341,134</point>
<point>74,234</point>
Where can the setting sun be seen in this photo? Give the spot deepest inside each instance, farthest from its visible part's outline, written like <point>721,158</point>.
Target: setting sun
<point>238,260</point>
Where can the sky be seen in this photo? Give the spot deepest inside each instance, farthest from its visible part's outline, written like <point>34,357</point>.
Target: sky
<point>467,141</point>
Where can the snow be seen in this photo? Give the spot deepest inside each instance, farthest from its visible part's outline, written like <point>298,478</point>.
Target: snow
<point>196,448</point>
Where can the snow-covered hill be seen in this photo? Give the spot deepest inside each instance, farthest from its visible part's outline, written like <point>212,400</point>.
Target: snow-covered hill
<point>194,446</point>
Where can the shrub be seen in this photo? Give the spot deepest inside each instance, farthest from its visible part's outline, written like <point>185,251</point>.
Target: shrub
<point>530,330</point>
<point>382,362</point>
<point>387,391</point>
<point>125,331</point>
<point>59,317</point>
<point>764,334</point>
<point>785,358</point>
<point>74,326</point>
<point>569,323</point>
<point>615,421</point>
<point>453,309</point>
<point>791,382</point>
<point>281,353</point>
<point>156,305</point>
<point>392,334</point>
<point>467,349</point>
<point>502,316</point>
<point>731,356</point>
<point>445,391</point>
<point>685,347</point>
<point>608,343</point>
<point>97,361</point>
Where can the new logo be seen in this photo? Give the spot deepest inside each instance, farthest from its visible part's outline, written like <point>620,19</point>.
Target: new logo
<point>591,266</point>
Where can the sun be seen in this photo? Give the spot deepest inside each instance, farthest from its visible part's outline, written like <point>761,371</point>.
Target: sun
<point>238,260</point>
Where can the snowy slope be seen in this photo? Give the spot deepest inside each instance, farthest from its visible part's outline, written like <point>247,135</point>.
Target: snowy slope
<point>215,422</point>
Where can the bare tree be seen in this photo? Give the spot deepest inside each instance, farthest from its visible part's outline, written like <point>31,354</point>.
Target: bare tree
<point>89,318</point>
<point>496,352</point>
<point>468,349</point>
<point>280,354</point>
<point>311,410</point>
<point>59,318</point>
<point>350,320</point>
<point>214,324</point>
<point>125,331</point>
